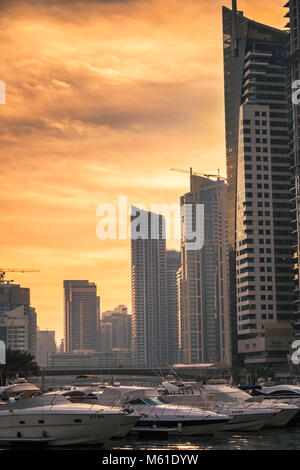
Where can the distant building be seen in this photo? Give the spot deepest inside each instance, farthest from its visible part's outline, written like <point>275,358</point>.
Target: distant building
<point>14,329</point>
<point>173,264</point>
<point>149,289</point>
<point>121,329</point>
<point>179,313</point>
<point>13,296</point>
<point>205,277</point>
<point>84,360</point>
<point>81,314</point>
<point>46,346</point>
<point>61,347</point>
<point>106,336</point>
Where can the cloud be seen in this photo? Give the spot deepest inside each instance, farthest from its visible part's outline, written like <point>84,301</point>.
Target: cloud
<point>103,98</point>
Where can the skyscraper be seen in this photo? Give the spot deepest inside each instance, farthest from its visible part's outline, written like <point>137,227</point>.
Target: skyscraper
<point>205,276</point>
<point>81,312</point>
<point>46,346</point>
<point>173,264</point>
<point>14,328</point>
<point>121,327</point>
<point>149,288</point>
<point>294,62</point>
<point>179,313</point>
<point>13,296</point>
<point>258,167</point>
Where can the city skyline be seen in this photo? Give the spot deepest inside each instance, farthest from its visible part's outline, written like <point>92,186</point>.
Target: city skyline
<point>49,211</point>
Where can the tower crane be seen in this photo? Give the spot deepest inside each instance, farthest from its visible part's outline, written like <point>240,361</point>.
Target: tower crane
<point>191,173</point>
<point>3,272</point>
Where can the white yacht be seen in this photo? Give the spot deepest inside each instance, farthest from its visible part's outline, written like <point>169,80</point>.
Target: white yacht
<point>159,417</point>
<point>75,395</point>
<point>16,389</point>
<point>246,413</point>
<point>54,420</point>
<point>287,393</point>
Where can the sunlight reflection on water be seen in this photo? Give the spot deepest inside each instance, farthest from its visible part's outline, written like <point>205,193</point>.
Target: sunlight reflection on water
<point>287,439</point>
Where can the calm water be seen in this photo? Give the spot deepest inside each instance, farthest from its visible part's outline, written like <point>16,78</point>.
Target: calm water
<point>285,439</point>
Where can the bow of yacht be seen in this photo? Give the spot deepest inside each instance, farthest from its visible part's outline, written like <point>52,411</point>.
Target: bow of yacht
<point>54,420</point>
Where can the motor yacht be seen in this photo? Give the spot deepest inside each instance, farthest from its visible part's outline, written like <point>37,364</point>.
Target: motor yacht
<point>287,394</point>
<point>159,417</point>
<point>16,389</point>
<point>53,420</point>
<point>87,396</point>
<point>246,413</point>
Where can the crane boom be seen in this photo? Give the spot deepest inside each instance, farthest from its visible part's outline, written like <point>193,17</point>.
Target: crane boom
<point>191,172</point>
<point>3,272</point>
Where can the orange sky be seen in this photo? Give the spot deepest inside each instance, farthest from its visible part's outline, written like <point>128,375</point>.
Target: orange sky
<point>103,98</point>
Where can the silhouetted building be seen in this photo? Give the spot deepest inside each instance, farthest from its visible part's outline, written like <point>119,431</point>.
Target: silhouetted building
<point>81,313</point>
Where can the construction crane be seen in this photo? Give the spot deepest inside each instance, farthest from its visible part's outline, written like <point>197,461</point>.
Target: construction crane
<point>191,173</point>
<point>3,272</point>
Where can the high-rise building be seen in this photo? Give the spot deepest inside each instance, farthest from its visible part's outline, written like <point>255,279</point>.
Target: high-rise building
<point>46,346</point>
<point>294,62</point>
<point>173,264</point>
<point>61,347</point>
<point>14,329</point>
<point>149,288</point>
<point>258,167</point>
<point>205,276</point>
<point>13,296</point>
<point>121,327</point>
<point>179,313</point>
<point>105,337</point>
<point>81,313</point>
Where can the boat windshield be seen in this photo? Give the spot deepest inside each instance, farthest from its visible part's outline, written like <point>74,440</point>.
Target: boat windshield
<point>153,401</point>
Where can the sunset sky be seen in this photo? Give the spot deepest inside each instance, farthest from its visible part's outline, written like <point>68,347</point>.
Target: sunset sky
<point>103,98</point>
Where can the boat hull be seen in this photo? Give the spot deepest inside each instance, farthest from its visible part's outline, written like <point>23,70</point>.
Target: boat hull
<point>58,429</point>
<point>282,419</point>
<point>128,423</point>
<point>203,427</point>
<point>246,422</point>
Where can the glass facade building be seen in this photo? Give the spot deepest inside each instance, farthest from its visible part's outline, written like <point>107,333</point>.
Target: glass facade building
<point>205,332</point>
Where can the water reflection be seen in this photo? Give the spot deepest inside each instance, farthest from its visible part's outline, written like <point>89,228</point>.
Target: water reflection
<point>283,439</point>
